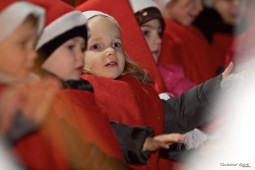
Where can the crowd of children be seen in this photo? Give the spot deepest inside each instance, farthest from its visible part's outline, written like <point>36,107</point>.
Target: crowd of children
<point>74,94</point>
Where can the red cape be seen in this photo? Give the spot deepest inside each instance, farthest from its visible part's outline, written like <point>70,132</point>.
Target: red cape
<point>74,121</point>
<point>129,101</point>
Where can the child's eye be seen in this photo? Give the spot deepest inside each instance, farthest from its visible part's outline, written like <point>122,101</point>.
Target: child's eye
<point>95,47</point>
<point>146,32</point>
<point>117,45</point>
<point>70,47</point>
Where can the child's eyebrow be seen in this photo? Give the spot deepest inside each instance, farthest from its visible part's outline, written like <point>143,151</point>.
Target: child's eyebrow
<point>118,37</point>
<point>145,25</point>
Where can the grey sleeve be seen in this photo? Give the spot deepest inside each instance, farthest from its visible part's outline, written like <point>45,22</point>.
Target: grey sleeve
<point>193,108</point>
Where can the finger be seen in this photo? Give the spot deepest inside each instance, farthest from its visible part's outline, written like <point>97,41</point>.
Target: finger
<point>228,70</point>
<point>175,138</point>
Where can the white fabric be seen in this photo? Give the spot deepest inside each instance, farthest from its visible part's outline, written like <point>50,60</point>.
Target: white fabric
<point>13,16</point>
<point>7,161</point>
<point>60,26</point>
<point>164,96</point>
<point>92,13</point>
<point>138,5</point>
<point>194,139</point>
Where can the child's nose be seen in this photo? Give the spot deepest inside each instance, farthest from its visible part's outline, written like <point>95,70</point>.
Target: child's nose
<point>157,39</point>
<point>80,55</point>
<point>110,52</point>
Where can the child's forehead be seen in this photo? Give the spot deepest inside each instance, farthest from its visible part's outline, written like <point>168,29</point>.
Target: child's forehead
<point>100,22</point>
<point>99,18</point>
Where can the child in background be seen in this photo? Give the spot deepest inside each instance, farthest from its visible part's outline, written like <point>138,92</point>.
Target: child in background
<point>24,101</point>
<point>183,44</point>
<point>218,23</point>
<point>152,25</point>
<point>181,11</point>
<point>123,89</point>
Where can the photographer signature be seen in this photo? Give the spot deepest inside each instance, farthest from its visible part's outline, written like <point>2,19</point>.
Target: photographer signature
<point>243,165</point>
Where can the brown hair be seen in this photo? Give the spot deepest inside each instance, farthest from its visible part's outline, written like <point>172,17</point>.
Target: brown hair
<point>40,59</point>
<point>131,67</point>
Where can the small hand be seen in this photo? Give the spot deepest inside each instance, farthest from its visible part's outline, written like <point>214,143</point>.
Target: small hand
<point>162,141</point>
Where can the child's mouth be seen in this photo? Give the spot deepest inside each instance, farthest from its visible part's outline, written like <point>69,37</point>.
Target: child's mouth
<point>111,64</point>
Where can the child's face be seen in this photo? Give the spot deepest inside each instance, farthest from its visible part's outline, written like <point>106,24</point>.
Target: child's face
<point>66,61</point>
<point>104,55</point>
<point>228,9</point>
<point>17,51</point>
<point>184,11</point>
<point>152,33</point>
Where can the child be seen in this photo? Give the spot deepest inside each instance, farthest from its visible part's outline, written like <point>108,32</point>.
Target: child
<point>124,90</point>
<point>25,109</point>
<point>24,103</point>
<point>152,26</point>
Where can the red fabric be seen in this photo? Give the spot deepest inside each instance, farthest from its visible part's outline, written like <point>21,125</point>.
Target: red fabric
<point>2,87</point>
<point>46,148</point>
<point>242,48</point>
<point>133,39</point>
<point>186,47</point>
<point>54,9</point>
<point>43,149</point>
<point>4,4</point>
<point>129,101</point>
<point>165,164</point>
<point>84,114</point>
<point>220,47</point>
<point>35,152</point>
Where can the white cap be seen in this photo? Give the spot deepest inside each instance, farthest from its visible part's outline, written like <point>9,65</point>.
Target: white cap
<point>13,15</point>
<point>138,5</point>
<point>92,13</point>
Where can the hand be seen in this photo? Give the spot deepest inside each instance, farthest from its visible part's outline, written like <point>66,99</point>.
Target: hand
<point>162,141</point>
<point>228,70</point>
<point>37,99</point>
<point>31,100</point>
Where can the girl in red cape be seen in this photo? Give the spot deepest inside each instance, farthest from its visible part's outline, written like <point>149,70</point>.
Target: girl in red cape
<point>123,89</point>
